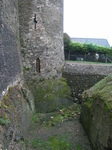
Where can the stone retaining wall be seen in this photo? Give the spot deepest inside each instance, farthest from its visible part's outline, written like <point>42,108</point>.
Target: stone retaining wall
<point>79,83</point>
<point>88,68</point>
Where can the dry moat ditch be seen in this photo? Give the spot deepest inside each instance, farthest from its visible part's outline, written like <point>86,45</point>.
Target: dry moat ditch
<point>63,129</point>
<point>58,130</point>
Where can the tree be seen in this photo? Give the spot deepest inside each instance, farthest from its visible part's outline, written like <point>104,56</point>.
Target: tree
<point>66,39</point>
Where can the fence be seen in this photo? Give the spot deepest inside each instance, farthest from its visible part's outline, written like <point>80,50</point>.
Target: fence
<point>89,57</point>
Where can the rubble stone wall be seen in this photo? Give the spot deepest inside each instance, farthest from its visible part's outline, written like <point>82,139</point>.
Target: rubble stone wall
<point>88,68</point>
<point>42,42</point>
<point>39,46</point>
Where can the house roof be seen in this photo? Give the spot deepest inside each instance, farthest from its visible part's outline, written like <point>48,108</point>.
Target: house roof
<point>94,41</point>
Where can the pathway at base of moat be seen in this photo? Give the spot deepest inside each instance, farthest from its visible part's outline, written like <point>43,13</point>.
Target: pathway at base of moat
<point>60,130</point>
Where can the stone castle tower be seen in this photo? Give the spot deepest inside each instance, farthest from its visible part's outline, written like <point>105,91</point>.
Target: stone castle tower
<point>31,32</point>
<point>41,31</point>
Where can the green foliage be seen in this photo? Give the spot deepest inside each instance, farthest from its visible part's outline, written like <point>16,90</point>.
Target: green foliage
<point>26,68</point>
<point>54,118</point>
<point>36,143</point>
<point>66,39</point>
<point>23,52</point>
<point>4,121</point>
<point>35,118</point>
<point>47,120</point>
<point>88,48</point>
<point>4,100</point>
<point>55,141</point>
<point>79,147</point>
<point>4,106</point>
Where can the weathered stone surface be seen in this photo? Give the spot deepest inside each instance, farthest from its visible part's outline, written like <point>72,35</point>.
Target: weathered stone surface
<point>50,95</point>
<point>10,66</point>
<point>87,68</point>
<point>17,109</point>
<point>45,42</point>
<point>42,55</point>
<point>96,114</point>
<point>78,83</point>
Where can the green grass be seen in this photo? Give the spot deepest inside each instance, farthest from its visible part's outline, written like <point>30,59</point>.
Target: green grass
<point>53,143</point>
<point>36,143</point>
<point>59,144</point>
<point>88,62</point>
<point>47,120</point>
<point>54,118</point>
<point>79,147</point>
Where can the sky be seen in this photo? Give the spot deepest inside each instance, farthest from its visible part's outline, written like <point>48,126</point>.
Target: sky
<point>88,19</point>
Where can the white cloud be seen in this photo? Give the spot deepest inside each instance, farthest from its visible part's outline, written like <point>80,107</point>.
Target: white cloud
<point>88,18</point>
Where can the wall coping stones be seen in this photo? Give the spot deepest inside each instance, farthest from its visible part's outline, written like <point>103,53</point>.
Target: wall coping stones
<point>87,68</point>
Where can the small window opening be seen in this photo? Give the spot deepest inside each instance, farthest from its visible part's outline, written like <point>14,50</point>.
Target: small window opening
<point>38,65</point>
<point>35,21</point>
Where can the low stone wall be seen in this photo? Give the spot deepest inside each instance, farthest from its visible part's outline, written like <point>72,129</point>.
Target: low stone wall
<point>87,68</point>
<point>79,83</point>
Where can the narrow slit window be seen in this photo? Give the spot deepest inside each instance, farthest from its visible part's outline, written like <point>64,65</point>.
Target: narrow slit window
<point>35,21</point>
<point>38,65</point>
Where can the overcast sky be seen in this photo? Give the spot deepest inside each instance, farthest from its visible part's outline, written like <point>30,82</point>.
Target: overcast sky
<point>88,18</point>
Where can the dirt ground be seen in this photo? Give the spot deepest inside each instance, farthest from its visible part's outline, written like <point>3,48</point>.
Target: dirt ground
<point>59,130</point>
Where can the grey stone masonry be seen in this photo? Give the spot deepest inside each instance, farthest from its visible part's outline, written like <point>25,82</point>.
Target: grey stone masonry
<point>10,68</point>
<point>32,29</point>
<point>41,42</point>
<point>88,68</point>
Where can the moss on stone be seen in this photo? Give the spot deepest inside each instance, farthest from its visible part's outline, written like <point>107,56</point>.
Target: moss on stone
<point>96,113</point>
<point>54,118</point>
<point>50,95</point>
<point>102,91</point>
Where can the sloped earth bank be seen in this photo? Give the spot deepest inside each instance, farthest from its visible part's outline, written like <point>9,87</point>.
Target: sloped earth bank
<point>96,114</point>
<point>60,130</point>
<point>21,130</point>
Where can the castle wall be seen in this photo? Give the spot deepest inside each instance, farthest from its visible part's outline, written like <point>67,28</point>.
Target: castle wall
<point>79,68</point>
<point>42,45</point>
<point>10,68</point>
